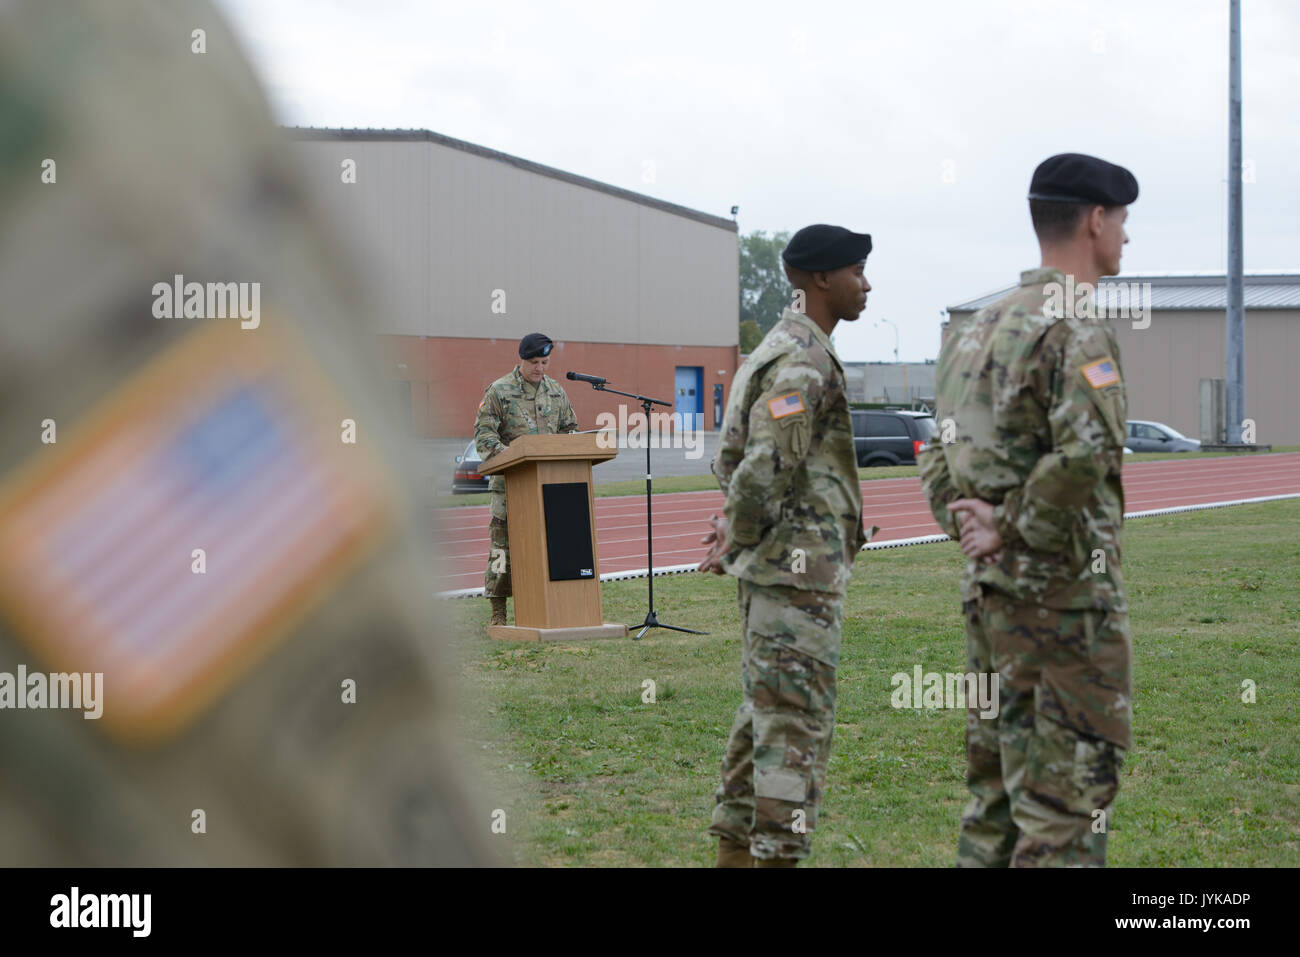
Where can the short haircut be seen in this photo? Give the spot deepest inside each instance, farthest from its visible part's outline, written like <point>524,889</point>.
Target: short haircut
<point>1056,221</point>
<point>799,278</point>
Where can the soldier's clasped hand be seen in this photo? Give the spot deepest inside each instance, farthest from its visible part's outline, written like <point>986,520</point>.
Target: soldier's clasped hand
<point>717,540</point>
<point>979,535</point>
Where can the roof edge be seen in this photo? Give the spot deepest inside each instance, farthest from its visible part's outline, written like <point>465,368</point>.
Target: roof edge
<point>967,305</point>
<point>428,136</point>
<point>1249,277</point>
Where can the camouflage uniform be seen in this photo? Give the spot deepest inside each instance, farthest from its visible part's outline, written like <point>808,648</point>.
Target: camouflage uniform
<point>1037,410</point>
<point>794,525</point>
<point>511,407</point>
<point>287,773</point>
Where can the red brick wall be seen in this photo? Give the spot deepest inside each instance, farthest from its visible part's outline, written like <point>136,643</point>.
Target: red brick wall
<point>448,376</point>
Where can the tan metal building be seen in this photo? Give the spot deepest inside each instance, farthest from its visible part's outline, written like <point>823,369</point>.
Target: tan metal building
<point>1165,361</point>
<point>477,248</point>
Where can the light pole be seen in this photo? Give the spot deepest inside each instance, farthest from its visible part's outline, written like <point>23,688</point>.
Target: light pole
<point>1234,352</point>
<point>895,328</point>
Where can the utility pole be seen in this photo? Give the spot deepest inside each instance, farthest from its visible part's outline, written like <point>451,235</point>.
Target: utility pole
<point>1234,352</point>
<point>895,328</point>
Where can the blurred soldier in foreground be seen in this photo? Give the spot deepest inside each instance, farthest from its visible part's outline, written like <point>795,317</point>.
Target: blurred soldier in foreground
<point>791,529</point>
<point>1027,475</point>
<point>524,402</point>
<point>204,577</point>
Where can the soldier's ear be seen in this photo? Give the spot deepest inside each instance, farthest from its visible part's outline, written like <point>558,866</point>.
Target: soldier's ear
<point>1096,220</point>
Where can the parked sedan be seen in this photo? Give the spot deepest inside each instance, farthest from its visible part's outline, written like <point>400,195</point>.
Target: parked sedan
<point>1158,437</point>
<point>466,477</point>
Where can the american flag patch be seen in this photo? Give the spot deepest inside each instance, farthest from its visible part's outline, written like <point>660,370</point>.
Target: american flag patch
<point>1101,373</point>
<point>783,405</point>
<point>229,443</point>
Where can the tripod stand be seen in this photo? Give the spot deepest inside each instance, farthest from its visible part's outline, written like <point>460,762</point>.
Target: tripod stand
<point>651,619</point>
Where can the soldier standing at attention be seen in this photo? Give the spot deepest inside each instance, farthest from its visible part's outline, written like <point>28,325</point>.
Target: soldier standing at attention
<point>525,402</point>
<point>791,529</point>
<point>1030,482</point>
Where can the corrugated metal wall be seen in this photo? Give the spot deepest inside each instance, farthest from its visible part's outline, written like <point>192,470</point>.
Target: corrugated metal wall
<point>1164,364</point>
<point>445,229</point>
<point>894,382</point>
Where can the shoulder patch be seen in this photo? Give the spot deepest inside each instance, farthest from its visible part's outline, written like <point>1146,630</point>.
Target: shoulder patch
<point>169,544</point>
<point>789,404</point>
<point>1101,373</point>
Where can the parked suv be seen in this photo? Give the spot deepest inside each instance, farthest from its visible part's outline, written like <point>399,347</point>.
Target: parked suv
<point>890,436</point>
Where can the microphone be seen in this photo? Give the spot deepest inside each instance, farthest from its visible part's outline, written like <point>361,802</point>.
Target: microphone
<point>583,377</point>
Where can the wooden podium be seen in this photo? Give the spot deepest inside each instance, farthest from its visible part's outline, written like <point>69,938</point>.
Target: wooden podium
<point>554,570</point>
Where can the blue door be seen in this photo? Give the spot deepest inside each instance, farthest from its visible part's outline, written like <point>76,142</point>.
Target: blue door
<point>689,403</point>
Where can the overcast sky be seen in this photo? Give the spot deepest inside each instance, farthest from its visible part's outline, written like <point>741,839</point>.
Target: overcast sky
<point>919,123</point>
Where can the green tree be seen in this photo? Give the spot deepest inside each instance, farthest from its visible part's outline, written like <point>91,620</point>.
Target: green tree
<point>764,290</point>
<point>750,336</point>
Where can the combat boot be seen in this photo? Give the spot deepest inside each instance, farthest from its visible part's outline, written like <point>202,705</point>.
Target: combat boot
<point>498,611</point>
<point>776,862</point>
<point>731,854</point>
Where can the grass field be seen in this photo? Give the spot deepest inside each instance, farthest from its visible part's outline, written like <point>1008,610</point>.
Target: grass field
<point>707,483</point>
<point>590,775</point>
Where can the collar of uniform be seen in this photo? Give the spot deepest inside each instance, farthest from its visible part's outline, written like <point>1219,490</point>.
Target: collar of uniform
<point>1041,276</point>
<point>824,339</point>
<point>528,388</point>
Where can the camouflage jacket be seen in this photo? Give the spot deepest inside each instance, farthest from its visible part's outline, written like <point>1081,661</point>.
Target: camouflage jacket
<point>512,406</point>
<point>787,465</point>
<point>1031,413</point>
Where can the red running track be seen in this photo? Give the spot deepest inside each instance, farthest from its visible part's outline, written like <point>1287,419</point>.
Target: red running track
<point>896,505</point>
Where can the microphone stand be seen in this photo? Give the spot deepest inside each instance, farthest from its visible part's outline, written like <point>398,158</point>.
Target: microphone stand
<point>651,619</point>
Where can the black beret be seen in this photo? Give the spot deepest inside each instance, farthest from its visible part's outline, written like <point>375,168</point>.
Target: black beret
<point>535,345</point>
<point>1077,178</point>
<point>821,248</point>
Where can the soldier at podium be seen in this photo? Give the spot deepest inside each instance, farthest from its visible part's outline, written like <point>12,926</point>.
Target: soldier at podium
<point>525,402</point>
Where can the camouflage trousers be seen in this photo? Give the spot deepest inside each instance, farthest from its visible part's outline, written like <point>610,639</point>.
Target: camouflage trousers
<point>496,581</point>
<point>1044,771</point>
<point>774,767</point>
